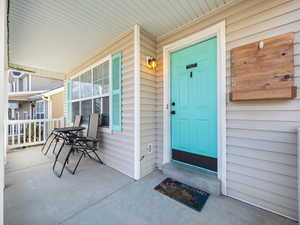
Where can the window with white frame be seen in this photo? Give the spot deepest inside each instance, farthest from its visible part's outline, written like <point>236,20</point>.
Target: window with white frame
<point>40,110</point>
<point>91,92</point>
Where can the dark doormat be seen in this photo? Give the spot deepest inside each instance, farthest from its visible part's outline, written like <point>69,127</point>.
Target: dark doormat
<point>191,197</point>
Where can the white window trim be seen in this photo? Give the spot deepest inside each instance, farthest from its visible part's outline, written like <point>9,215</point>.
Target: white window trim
<point>217,30</point>
<point>90,68</point>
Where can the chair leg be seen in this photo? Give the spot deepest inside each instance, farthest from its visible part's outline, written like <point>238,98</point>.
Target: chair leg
<point>42,150</point>
<point>62,170</point>
<point>53,151</point>
<point>46,142</point>
<point>97,156</point>
<point>50,146</point>
<point>77,164</point>
<point>97,159</point>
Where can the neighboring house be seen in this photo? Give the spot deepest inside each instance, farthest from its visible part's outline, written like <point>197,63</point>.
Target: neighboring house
<point>181,110</point>
<point>25,95</point>
<point>55,102</point>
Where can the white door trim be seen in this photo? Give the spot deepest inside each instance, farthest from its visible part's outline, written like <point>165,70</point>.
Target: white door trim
<point>217,30</point>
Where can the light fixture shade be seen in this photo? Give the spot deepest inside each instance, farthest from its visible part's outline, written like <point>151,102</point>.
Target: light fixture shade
<point>151,62</point>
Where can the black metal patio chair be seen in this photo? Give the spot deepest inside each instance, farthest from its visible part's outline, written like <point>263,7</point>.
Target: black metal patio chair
<point>87,145</point>
<point>81,145</point>
<point>54,136</point>
<point>62,157</point>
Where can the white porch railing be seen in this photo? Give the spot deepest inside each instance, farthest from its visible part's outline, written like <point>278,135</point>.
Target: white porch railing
<point>31,132</point>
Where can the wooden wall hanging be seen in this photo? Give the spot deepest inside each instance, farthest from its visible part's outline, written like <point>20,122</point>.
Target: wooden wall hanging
<point>264,69</point>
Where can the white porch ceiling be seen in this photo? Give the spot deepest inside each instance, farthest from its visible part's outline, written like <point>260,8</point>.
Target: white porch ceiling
<point>55,35</point>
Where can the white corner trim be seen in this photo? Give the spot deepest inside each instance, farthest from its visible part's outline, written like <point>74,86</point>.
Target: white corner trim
<point>217,30</point>
<point>298,145</point>
<point>137,105</point>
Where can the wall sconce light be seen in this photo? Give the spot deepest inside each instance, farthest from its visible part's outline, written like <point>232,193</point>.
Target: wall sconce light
<point>151,62</point>
<point>261,45</point>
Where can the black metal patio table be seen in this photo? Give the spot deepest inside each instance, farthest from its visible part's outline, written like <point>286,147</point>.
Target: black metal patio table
<point>68,133</point>
<point>68,129</point>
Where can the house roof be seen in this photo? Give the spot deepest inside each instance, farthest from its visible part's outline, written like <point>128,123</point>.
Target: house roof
<point>24,96</point>
<point>53,91</point>
<point>56,36</point>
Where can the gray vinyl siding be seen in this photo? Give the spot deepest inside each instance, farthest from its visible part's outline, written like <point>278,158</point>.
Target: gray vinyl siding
<point>148,104</point>
<point>261,135</point>
<point>117,148</point>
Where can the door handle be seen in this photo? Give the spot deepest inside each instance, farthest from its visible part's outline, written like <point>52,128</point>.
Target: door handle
<point>173,112</point>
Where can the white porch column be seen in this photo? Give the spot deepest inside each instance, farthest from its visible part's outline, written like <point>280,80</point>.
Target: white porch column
<point>298,155</point>
<point>3,97</point>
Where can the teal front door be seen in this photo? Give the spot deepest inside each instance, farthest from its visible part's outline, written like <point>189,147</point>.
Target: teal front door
<point>194,105</point>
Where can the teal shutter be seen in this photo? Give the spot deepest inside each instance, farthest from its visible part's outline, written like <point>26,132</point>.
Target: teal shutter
<point>117,92</point>
<point>69,101</point>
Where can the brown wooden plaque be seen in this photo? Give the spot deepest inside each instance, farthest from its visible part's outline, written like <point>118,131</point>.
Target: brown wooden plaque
<point>263,73</point>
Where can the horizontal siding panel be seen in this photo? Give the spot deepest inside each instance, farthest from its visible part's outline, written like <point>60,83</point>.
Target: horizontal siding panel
<point>279,126</point>
<point>259,154</point>
<point>290,138</point>
<point>271,146</point>
<point>265,115</point>
<point>292,27</point>
<point>267,186</point>
<point>267,196</point>
<point>260,27</point>
<point>253,10</point>
<point>257,173</point>
<point>263,165</point>
<point>278,13</point>
<point>242,194</point>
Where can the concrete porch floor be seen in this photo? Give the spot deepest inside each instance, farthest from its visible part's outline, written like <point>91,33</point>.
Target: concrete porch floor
<point>101,195</point>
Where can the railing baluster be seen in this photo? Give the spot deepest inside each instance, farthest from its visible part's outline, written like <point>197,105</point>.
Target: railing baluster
<point>29,137</point>
<point>24,133</point>
<point>34,130</point>
<point>46,130</point>
<point>13,134</point>
<point>40,131</point>
<point>62,122</point>
<point>19,133</point>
